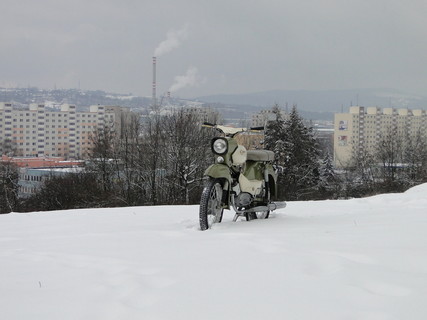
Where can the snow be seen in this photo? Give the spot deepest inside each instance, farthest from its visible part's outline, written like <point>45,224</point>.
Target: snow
<point>347,259</point>
<point>121,97</point>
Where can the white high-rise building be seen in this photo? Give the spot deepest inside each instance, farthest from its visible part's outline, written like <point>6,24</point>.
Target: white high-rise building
<point>359,131</point>
<point>37,131</point>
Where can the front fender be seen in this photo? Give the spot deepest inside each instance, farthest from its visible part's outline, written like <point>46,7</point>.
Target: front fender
<point>221,171</point>
<point>218,171</point>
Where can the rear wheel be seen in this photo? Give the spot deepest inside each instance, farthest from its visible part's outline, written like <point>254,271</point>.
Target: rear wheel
<point>257,215</point>
<point>211,204</point>
<point>261,214</point>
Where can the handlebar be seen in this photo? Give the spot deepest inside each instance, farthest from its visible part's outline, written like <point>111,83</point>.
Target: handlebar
<point>230,131</point>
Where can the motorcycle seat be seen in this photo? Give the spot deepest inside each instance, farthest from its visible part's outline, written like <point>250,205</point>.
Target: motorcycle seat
<point>260,155</point>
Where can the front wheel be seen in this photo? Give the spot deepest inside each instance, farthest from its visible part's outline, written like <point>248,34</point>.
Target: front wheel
<point>211,204</point>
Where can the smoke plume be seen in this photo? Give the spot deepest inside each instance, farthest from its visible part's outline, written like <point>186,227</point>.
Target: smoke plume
<point>190,79</point>
<point>173,40</point>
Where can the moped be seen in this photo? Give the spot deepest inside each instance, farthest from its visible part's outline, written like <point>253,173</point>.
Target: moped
<point>245,180</point>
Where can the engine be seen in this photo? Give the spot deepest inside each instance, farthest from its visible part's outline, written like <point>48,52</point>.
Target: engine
<point>244,199</point>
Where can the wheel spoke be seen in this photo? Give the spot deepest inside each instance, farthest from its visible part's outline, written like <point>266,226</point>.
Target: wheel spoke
<point>210,206</point>
<point>262,214</point>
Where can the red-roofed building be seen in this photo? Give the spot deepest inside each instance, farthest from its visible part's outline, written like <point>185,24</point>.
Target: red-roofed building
<point>41,162</point>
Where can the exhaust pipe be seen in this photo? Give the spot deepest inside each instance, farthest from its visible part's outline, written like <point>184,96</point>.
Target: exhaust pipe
<point>277,205</point>
<point>272,206</point>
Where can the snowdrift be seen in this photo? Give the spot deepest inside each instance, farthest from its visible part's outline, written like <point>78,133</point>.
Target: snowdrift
<point>348,259</point>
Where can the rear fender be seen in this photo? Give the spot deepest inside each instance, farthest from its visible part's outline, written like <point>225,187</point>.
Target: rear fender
<point>272,184</point>
<point>272,181</point>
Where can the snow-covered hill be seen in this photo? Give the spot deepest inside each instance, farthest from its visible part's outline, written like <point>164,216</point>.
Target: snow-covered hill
<point>350,259</point>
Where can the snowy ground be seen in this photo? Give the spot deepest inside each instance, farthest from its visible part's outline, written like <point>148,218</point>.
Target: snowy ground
<point>352,259</point>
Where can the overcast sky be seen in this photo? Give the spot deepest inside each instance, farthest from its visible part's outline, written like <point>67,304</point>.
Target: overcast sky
<point>214,46</point>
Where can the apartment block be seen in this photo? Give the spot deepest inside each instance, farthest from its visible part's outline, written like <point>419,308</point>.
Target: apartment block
<point>202,114</point>
<point>261,118</point>
<point>37,131</point>
<point>360,130</point>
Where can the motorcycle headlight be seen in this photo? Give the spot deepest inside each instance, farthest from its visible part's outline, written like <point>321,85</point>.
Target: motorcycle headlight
<point>219,146</point>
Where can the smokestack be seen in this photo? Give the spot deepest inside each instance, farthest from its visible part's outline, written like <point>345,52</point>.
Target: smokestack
<point>154,83</point>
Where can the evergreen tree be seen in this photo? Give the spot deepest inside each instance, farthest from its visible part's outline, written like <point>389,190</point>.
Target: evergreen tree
<point>296,150</point>
<point>303,174</point>
<point>328,182</point>
<point>327,173</point>
<point>276,137</point>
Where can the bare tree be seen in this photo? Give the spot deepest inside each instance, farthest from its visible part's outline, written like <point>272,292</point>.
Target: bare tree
<point>68,191</point>
<point>8,187</point>
<point>9,147</point>
<point>103,155</point>
<point>187,152</point>
<point>131,174</point>
<point>415,158</point>
<point>364,164</point>
<point>389,154</point>
<point>152,164</point>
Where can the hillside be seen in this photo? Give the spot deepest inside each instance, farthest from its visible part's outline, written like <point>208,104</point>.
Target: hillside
<point>348,259</point>
<point>80,98</point>
<point>324,101</point>
<point>312,105</point>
